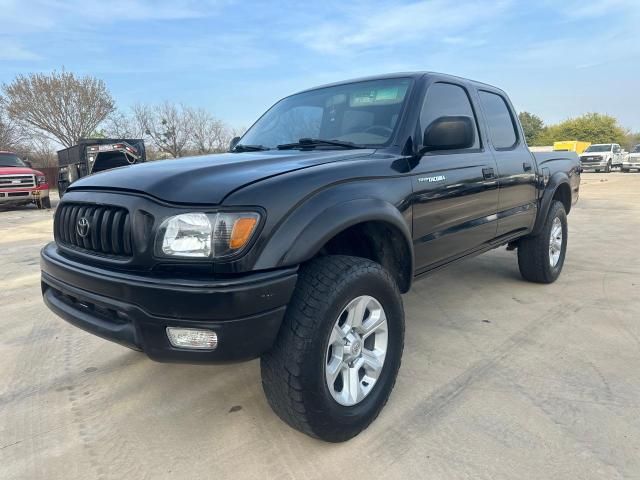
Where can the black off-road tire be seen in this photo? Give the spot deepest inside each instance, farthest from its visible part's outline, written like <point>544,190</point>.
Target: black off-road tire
<point>293,375</point>
<point>533,251</point>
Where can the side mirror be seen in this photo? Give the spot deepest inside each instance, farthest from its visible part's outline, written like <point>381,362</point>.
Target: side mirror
<point>449,133</point>
<point>232,144</point>
<point>28,163</point>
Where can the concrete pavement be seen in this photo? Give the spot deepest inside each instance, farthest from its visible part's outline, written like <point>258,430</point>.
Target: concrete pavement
<point>500,378</point>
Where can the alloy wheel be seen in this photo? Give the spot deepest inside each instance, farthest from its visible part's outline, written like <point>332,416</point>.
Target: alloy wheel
<point>356,350</point>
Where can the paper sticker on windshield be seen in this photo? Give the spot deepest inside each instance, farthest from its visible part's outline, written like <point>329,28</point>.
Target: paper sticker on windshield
<point>387,94</point>
<point>378,96</point>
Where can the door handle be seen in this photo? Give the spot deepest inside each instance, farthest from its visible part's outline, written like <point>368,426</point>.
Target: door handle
<point>526,166</point>
<point>488,173</point>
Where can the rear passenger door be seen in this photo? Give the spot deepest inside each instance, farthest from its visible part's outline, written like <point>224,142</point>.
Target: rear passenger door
<point>455,191</point>
<point>516,166</point>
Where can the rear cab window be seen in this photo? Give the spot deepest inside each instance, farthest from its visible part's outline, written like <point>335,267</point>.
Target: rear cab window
<point>500,120</point>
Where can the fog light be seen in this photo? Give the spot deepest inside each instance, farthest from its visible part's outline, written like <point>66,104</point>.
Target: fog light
<point>195,338</point>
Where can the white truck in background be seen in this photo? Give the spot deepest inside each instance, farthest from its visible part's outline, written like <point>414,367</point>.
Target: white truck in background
<point>601,156</point>
<point>632,160</point>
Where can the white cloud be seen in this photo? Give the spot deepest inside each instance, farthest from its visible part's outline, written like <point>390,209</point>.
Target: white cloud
<point>595,8</point>
<point>601,35</point>
<point>393,24</point>
<point>12,51</point>
<point>19,16</point>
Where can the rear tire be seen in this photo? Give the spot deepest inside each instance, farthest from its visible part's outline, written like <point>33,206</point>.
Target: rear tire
<point>296,373</point>
<point>541,257</point>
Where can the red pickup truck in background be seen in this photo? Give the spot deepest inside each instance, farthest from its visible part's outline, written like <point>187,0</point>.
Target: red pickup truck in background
<point>20,184</point>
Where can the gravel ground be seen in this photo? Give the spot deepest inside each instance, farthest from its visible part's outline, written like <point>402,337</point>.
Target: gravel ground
<point>500,378</point>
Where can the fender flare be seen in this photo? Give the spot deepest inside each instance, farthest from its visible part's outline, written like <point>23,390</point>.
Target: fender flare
<point>556,180</point>
<point>318,229</point>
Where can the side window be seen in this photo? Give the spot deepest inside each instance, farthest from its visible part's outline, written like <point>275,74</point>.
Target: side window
<point>499,120</point>
<point>616,149</point>
<point>447,99</point>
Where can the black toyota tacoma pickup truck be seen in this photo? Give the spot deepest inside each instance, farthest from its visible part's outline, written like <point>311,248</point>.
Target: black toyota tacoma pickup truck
<point>297,244</point>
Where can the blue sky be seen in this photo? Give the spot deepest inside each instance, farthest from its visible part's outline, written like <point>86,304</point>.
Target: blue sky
<point>555,58</point>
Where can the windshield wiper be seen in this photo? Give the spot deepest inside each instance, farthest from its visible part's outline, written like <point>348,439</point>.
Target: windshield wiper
<point>249,148</point>
<point>314,142</point>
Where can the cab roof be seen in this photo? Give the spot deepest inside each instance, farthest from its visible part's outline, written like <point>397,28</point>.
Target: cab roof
<point>413,75</point>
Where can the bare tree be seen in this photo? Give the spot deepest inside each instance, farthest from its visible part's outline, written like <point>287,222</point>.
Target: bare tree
<point>171,130</point>
<point>167,125</point>
<point>60,105</point>
<point>120,125</point>
<point>12,135</point>
<point>40,151</point>
<point>208,134</point>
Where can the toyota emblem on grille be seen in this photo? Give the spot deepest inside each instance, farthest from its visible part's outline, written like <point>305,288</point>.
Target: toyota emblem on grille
<point>83,227</point>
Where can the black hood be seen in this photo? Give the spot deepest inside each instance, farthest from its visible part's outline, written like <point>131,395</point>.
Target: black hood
<point>209,179</point>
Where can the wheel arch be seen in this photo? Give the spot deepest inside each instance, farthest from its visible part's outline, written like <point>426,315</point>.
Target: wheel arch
<point>368,228</point>
<point>558,188</point>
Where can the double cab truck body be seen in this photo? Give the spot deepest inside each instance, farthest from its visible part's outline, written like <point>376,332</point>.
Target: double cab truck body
<point>602,157</point>
<point>20,184</point>
<point>296,245</point>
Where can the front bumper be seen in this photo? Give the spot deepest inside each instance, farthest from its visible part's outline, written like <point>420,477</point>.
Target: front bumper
<point>634,165</point>
<point>22,196</point>
<point>593,165</point>
<point>134,310</point>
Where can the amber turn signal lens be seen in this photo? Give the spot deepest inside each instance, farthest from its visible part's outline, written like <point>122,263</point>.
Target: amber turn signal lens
<point>241,233</point>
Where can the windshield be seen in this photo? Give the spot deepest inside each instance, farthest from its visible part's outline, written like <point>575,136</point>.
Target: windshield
<point>10,160</point>
<point>362,113</point>
<point>598,148</point>
<point>636,149</point>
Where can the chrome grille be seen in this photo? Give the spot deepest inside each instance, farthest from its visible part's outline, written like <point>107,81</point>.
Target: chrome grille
<point>17,181</point>
<point>108,229</point>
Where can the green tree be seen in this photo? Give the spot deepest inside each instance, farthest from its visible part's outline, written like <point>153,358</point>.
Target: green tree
<point>591,127</point>
<point>532,125</point>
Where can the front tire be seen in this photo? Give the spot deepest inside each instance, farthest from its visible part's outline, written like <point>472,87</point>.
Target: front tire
<point>607,169</point>
<point>541,257</point>
<point>339,349</point>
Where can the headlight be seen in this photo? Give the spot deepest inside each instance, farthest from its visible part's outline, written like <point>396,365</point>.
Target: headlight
<point>202,235</point>
<point>41,179</point>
